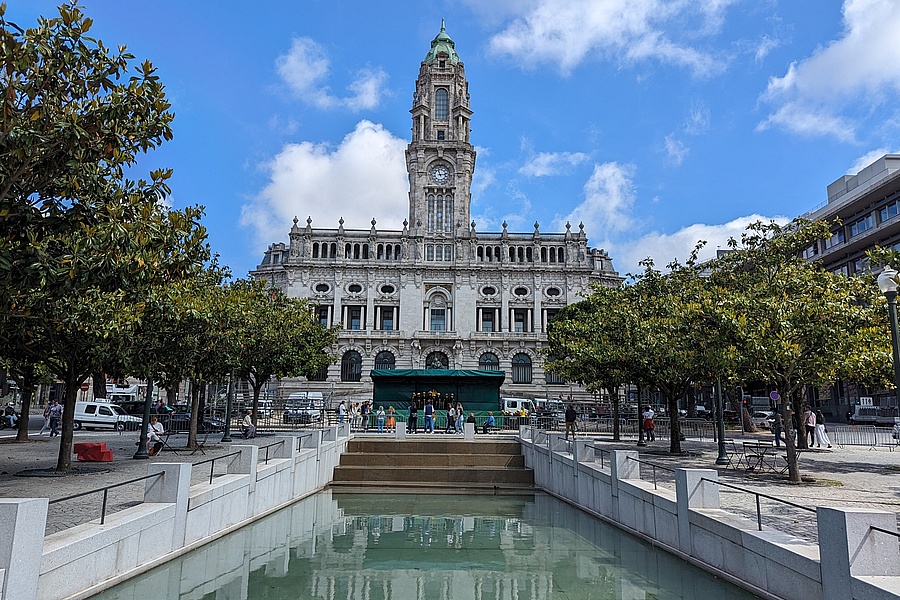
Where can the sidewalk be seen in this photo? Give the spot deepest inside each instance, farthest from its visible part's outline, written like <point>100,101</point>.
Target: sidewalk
<point>843,477</point>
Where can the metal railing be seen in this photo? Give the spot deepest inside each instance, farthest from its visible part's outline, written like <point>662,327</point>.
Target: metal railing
<point>862,435</point>
<point>105,491</point>
<point>759,495</point>
<point>654,467</point>
<point>212,463</point>
<point>266,448</point>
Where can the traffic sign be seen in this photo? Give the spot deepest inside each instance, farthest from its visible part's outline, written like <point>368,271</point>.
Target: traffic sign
<point>775,396</point>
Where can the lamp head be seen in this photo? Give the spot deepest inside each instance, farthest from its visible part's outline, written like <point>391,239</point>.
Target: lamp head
<point>887,281</point>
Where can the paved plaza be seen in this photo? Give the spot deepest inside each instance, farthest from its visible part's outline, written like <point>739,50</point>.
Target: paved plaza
<point>850,476</point>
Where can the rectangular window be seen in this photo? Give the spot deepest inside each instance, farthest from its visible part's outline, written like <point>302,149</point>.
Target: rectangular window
<point>519,317</point>
<point>861,266</point>
<point>354,317</point>
<point>429,252</point>
<point>487,320</point>
<point>438,319</point>
<point>323,316</point>
<point>811,252</point>
<point>889,212</point>
<point>439,250</point>
<point>440,134</point>
<point>448,253</point>
<point>862,225</point>
<point>387,318</point>
<point>837,237</point>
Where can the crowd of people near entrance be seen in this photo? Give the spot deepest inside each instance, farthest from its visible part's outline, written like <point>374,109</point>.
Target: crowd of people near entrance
<point>365,417</point>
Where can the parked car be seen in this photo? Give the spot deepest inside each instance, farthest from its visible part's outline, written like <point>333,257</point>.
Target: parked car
<point>180,422</point>
<point>90,415</point>
<point>303,408</point>
<point>763,418</point>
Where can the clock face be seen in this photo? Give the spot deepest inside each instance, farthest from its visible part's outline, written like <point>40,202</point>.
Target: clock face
<point>440,174</point>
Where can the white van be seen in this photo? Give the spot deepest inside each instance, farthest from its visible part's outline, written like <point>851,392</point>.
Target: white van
<point>512,406</point>
<point>103,414</point>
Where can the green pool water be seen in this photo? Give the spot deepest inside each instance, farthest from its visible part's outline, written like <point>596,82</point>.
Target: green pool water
<point>445,547</point>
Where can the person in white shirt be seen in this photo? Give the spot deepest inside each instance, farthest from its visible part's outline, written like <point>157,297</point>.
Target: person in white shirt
<point>247,426</point>
<point>154,432</point>
<point>648,424</point>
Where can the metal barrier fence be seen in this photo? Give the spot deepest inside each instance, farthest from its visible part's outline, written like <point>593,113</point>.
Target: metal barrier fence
<point>862,435</point>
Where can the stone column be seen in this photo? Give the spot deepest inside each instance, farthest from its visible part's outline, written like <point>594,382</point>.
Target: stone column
<point>173,487</point>
<point>22,524</point>
<point>245,463</point>
<point>851,548</point>
<point>692,492</point>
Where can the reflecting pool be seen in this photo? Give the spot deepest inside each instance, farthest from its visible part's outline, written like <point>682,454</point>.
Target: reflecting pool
<point>447,547</point>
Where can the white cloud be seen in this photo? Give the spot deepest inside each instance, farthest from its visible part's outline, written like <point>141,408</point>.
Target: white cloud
<point>664,247</point>
<point>306,68</point>
<point>867,159</point>
<point>765,45</point>
<point>546,164</point>
<point>675,150</point>
<point>862,67</point>
<point>363,177</point>
<point>608,199</point>
<point>698,120</point>
<point>567,32</point>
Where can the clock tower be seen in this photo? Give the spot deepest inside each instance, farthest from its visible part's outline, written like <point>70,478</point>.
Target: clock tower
<point>439,159</point>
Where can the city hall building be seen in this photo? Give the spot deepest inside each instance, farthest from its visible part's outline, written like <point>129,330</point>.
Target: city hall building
<point>438,294</point>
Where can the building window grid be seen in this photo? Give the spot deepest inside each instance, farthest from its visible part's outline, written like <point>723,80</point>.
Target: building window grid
<point>441,104</point>
<point>438,320</point>
<point>889,212</point>
<point>385,360</point>
<point>351,366</point>
<point>861,225</point>
<point>521,368</point>
<point>488,362</point>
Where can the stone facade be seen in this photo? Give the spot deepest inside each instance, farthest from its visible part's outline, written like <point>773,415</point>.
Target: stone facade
<point>438,293</point>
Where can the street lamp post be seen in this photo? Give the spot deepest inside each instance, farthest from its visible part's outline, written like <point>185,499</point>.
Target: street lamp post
<point>722,458</point>
<point>226,436</point>
<point>887,283</point>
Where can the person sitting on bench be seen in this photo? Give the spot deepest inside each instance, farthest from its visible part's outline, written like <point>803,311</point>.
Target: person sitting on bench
<point>248,427</point>
<point>153,436</point>
<point>488,424</point>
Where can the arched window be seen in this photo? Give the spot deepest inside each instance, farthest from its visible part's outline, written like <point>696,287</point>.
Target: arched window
<point>489,362</point>
<point>320,375</point>
<point>441,104</point>
<point>551,378</point>
<point>315,253</point>
<point>437,360</point>
<point>351,366</point>
<point>333,250</point>
<point>521,368</point>
<point>384,360</point>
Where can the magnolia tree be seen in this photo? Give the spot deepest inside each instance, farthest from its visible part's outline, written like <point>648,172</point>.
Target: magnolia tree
<point>81,244</point>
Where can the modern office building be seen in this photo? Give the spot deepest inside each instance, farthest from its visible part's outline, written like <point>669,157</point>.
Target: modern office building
<point>437,294</point>
<point>867,205</point>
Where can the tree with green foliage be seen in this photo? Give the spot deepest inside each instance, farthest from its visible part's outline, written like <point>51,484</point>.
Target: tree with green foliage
<point>80,243</point>
<point>592,343</point>
<point>797,324</point>
<point>276,336</point>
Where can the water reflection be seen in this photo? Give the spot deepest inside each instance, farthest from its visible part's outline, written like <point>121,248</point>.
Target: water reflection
<point>403,547</point>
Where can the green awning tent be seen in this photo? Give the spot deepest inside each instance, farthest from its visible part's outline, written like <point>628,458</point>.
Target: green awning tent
<point>477,390</point>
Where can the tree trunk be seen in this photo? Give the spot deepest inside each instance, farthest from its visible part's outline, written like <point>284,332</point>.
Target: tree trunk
<point>674,425</point>
<point>73,383</point>
<point>791,450</point>
<point>172,394</point>
<point>614,397</point>
<point>192,424</point>
<point>28,382</point>
<point>98,380</point>
<point>256,384</point>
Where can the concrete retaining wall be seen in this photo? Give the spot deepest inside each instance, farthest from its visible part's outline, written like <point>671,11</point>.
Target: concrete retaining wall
<point>854,562</point>
<point>174,518</point>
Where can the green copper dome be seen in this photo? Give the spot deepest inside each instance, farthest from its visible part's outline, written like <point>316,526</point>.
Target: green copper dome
<point>442,43</point>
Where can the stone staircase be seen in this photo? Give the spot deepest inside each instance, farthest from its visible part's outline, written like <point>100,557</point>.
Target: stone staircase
<point>394,465</point>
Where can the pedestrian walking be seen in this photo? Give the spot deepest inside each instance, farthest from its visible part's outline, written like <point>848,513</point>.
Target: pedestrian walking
<point>451,418</point>
<point>379,419</point>
<point>56,412</point>
<point>777,428</point>
<point>460,417</point>
<point>391,421</point>
<point>809,420</point>
<point>429,416</point>
<point>571,417</point>
<point>821,431</point>
<point>648,424</point>
<point>46,425</point>
<point>412,424</point>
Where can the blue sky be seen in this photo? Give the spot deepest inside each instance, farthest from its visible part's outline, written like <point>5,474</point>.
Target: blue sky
<point>656,123</point>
